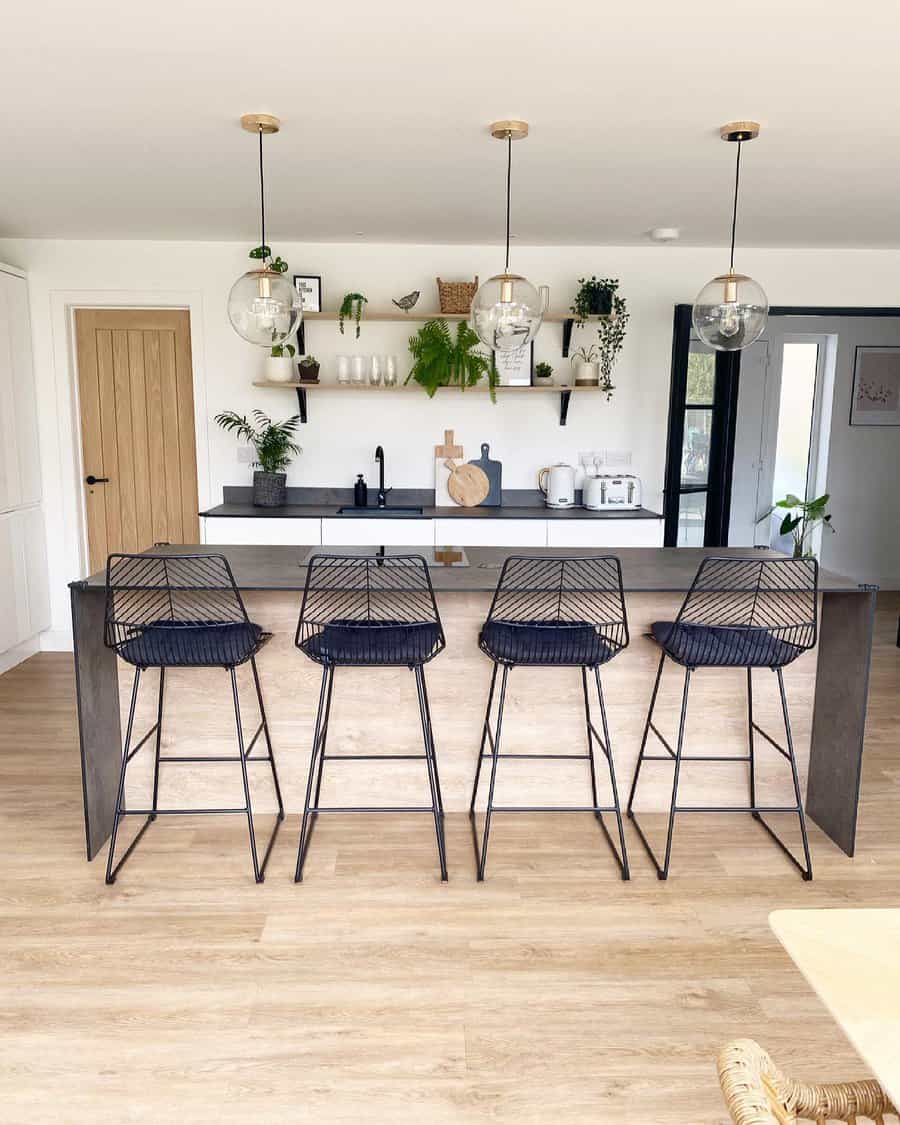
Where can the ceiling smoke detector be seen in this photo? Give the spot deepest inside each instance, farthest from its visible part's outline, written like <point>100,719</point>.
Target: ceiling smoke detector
<point>665,234</point>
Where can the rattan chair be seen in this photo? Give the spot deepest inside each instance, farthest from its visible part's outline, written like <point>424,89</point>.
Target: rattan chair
<point>739,613</point>
<point>369,611</point>
<point>553,613</point>
<point>757,1093</point>
<point>182,611</point>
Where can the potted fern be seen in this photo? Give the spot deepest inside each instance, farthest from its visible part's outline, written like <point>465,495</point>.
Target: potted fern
<point>275,448</point>
<point>439,360</point>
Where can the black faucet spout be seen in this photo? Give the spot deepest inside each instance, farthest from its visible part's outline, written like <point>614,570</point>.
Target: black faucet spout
<point>382,491</point>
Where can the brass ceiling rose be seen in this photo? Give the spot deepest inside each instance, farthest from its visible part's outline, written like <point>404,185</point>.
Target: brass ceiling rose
<point>260,123</point>
<point>509,130</point>
<point>740,131</point>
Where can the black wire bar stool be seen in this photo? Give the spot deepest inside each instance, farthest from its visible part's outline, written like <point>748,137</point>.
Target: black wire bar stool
<point>739,613</point>
<point>183,611</point>
<point>553,613</point>
<point>367,611</point>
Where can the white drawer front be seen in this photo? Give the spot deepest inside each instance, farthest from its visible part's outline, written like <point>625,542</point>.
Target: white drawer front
<point>490,533</point>
<point>263,530</point>
<point>354,532</point>
<point>604,533</point>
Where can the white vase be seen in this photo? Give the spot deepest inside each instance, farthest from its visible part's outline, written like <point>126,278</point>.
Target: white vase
<point>279,369</point>
<point>587,374</point>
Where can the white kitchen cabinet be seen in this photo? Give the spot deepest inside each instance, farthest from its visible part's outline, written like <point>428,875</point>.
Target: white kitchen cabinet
<point>262,530</point>
<point>605,533</point>
<point>24,398</point>
<point>486,532</point>
<point>377,532</point>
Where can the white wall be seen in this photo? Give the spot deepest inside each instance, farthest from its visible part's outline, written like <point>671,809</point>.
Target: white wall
<point>343,430</point>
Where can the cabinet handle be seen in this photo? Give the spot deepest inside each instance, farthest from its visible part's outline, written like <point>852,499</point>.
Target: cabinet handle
<point>91,479</point>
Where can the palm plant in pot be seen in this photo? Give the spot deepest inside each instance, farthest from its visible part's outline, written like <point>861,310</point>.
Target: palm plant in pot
<point>275,449</point>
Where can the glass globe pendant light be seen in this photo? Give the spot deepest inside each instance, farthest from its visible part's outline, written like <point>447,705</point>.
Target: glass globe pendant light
<point>507,310</point>
<point>263,306</point>
<point>730,311</point>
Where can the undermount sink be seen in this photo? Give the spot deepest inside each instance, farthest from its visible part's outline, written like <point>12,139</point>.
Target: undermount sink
<point>369,513</point>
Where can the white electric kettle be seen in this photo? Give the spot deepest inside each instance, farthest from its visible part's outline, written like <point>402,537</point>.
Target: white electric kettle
<point>558,486</point>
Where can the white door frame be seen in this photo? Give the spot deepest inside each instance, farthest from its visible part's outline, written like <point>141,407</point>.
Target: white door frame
<point>63,304</point>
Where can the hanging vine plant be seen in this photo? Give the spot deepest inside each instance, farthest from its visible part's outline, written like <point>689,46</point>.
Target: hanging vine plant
<point>351,308</point>
<point>612,339</point>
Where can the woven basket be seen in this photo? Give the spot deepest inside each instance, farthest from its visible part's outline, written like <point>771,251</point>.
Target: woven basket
<point>456,296</point>
<point>269,490</point>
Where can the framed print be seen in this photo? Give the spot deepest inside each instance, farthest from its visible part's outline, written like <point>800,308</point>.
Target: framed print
<point>514,368</point>
<point>876,387</point>
<point>309,286</point>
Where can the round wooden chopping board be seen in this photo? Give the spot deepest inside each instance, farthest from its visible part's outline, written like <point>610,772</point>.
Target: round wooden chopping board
<point>468,485</point>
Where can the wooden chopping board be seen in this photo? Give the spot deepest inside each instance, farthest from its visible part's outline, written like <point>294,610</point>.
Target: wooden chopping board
<point>442,453</point>
<point>468,484</point>
<point>493,470</point>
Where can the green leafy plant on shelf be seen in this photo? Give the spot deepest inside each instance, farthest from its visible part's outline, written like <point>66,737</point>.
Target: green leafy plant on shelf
<point>543,371</point>
<point>594,298</point>
<point>440,360</point>
<point>351,308</point>
<point>612,339</point>
<point>801,519</point>
<point>279,351</point>
<point>263,255</point>
<point>273,441</point>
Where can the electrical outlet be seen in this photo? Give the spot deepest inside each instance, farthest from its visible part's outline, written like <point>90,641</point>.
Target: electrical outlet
<point>244,455</point>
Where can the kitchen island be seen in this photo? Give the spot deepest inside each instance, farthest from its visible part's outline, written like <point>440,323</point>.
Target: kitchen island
<point>827,689</point>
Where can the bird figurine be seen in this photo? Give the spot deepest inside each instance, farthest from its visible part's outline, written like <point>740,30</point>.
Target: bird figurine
<point>407,302</point>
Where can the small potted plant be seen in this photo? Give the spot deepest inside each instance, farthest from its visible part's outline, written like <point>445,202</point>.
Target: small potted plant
<point>275,448</point>
<point>801,519</point>
<point>351,308</point>
<point>586,362</point>
<point>279,367</point>
<point>594,298</point>
<point>543,374</point>
<point>309,369</point>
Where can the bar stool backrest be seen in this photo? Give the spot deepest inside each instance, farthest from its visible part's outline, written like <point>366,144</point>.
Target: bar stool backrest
<point>349,590</point>
<point>779,596</point>
<point>570,591</point>
<point>189,590</point>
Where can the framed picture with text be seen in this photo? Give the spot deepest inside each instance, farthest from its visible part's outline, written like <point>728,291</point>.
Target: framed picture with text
<point>309,286</point>
<point>514,368</point>
<point>876,387</point>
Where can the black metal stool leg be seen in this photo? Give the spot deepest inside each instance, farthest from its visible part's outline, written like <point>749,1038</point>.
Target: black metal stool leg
<point>110,871</point>
<point>590,740</point>
<point>324,736</point>
<point>159,718</point>
<point>807,874</point>
<point>482,860</point>
<point>484,734</point>
<point>265,727</point>
<point>623,861</point>
<point>638,764</point>
<point>750,741</point>
<point>429,763</point>
<point>258,875</point>
<point>313,760</point>
<point>437,776</point>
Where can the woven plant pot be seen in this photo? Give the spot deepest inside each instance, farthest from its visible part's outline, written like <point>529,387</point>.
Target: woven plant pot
<point>456,296</point>
<point>269,490</point>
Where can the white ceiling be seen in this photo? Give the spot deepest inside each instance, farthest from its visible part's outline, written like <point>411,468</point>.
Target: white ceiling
<point>120,120</point>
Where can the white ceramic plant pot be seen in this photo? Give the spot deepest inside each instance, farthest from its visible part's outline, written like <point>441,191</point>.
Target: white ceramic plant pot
<point>587,374</point>
<point>279,369</point>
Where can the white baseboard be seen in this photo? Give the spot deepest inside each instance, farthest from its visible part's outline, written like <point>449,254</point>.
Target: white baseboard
<point>57,640</point>
<point>14,656</point>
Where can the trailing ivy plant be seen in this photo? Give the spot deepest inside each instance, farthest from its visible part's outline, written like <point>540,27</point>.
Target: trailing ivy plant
<point>351,306</point>
<point>263,254</point>
<point>801,519</point>
<point>612,339</point>
<point>439,360</point>
<point>273,441</point>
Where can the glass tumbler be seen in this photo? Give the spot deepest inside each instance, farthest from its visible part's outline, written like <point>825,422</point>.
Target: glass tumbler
<point>376,370</point>
<point>343,369</point>
<point>390,371</point>
<point>358,370</point>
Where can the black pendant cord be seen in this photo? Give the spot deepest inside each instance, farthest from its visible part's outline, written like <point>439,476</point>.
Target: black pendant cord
<point>737,184</point>
<point>508,193</point>
<point>262,194</point>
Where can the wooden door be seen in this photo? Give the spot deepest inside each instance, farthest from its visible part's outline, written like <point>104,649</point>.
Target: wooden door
<point>137,429</point>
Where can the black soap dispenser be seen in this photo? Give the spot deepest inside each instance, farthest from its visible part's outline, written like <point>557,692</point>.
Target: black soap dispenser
<point>360,492</point>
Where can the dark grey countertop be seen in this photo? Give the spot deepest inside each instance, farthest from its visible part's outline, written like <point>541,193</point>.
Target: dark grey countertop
<point>644,569</point>
<point>323,511</point>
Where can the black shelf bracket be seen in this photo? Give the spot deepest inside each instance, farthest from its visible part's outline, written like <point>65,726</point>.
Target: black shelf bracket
<point>301,403</point>
<point>301,339</point>
<point>564,397</point>
<point>568,325</point>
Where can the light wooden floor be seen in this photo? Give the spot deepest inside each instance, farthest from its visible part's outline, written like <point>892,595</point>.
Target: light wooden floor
<point>551,994</point>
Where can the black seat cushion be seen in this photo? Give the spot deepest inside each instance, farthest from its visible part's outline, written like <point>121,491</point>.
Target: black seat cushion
<point>193,644</point>
<point>373,642</point>
<point>711,646</point>
<point>545,642</point>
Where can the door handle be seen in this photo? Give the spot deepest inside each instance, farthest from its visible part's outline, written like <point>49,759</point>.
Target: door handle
<point>91,479</point>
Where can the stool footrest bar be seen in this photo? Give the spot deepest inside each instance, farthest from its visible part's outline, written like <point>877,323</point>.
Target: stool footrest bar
<point>781,750</point>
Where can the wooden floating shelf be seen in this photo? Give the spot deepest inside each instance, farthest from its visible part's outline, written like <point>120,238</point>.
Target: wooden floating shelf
<point>564,391</point>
